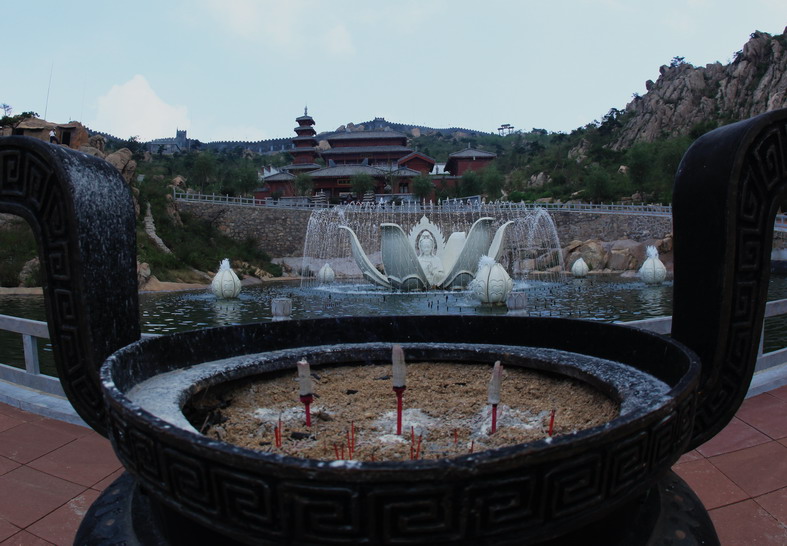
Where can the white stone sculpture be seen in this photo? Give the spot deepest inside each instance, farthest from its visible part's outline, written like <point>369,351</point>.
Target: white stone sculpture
<point>326,274</point>
<point>492,283</point>
<point>653,270</point>
<point>424,260</point>
<point>226,283</point>
<point>580,268</point>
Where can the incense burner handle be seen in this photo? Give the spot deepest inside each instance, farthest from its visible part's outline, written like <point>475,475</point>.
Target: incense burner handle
<point>81,212</point>
<point>725,199</point>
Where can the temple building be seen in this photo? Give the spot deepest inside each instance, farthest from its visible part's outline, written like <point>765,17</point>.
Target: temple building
<point>381,154</point>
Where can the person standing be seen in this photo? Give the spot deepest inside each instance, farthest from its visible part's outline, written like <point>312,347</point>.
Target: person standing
<point>53,137</point>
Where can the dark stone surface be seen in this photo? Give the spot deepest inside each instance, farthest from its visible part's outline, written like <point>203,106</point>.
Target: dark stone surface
<point>726,194</point>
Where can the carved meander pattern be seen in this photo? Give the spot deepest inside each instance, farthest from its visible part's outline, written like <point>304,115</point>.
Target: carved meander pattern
<point>763,179</point>
<point>34,187</point>
<point>242,500</point>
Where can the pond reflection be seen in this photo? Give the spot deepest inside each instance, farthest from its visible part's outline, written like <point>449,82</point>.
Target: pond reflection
<point>606,298</point>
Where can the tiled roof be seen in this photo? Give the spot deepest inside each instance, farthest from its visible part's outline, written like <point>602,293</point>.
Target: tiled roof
<point>301,167</point>
<point>346,170</point>
<point>279,177</point>
<point>472,152</point>
<point>416,154</point>
<point>367,149</point>
<point>405,172</point>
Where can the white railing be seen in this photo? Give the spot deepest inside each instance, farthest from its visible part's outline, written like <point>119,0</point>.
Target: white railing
<point>31,377</point>
<point>213,199</point>
<point>311,203</point>
<point>308,203</point>
<point>33,330</point>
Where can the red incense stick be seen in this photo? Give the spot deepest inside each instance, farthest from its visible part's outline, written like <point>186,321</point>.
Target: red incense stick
<point>399,395</point>
<point>399,373</point>
<point>307,404</point>
<point>551,422</point>
<point>493,393</point>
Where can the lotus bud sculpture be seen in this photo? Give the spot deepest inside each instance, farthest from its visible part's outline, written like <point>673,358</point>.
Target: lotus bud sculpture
<point>423,259</point>
<point>326,274</point>
<point>580,268</point>
<point>225,284</point>
<point>653,271</point>
<point>492,284</point>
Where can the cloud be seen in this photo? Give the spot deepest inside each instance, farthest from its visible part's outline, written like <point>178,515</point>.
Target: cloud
<point>134,109</point>
<point>338,41</point>
<point>271,21</point>
<point>244,133</point>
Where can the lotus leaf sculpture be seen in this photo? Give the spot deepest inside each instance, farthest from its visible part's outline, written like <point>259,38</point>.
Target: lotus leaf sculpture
<point>423,259</point>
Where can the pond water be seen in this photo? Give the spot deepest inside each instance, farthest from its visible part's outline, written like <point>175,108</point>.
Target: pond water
<point>606,298</point>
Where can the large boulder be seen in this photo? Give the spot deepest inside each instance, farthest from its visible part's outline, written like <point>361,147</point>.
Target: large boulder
<point>123,162</point>
<point>592,252</point>
<point>624,255</point>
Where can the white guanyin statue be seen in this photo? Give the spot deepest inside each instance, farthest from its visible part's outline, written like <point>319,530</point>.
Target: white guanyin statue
<point>431,264</point>
<point>424,259</point>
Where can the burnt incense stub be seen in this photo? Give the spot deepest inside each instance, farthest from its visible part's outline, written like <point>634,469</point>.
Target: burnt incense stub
<point>184,488</point>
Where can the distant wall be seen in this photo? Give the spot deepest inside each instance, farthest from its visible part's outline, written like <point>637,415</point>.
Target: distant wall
<point>281,232</point>
<point>609,227</point>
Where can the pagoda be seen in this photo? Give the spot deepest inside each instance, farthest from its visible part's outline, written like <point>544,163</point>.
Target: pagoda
<point>305,151</point>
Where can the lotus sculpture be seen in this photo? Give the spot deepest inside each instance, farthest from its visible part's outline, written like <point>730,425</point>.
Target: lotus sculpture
<point>423,259</point>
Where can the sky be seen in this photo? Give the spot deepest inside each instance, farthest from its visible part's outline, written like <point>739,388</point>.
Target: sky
<point>245,69</point>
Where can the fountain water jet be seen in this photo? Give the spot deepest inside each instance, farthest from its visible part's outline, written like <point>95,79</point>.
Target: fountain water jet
<point>530,245</point>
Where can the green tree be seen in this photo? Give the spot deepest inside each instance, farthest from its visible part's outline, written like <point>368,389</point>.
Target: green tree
<point>598,184</point>
<point>203,170</point>
<point>492,182</point>
<point>304,184</point>
<point>136,146</point>
<point>470,184</point>
<point>14,121</point>
<point>423,187</point>
<point>362,183</point>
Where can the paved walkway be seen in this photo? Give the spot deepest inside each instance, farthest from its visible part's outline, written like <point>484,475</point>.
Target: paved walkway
<point>51,471</point>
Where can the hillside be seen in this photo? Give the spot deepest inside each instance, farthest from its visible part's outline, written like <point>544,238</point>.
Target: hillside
<point>685,96</point>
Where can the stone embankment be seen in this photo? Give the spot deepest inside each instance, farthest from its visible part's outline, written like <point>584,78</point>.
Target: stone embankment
<point>607,242</point>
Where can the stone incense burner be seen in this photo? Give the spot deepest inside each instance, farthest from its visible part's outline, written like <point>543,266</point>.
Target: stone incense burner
<point>610,484</point>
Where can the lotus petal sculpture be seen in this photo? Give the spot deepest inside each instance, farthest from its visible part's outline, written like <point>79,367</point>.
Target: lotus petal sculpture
<point>423,259</point>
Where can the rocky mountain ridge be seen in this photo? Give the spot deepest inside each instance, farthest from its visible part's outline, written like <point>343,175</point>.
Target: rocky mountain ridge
<point>685,96</point>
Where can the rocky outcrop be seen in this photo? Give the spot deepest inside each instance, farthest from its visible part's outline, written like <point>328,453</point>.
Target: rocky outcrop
<point>123,162</point>
<point>538,180</point>
<point>685,97</point>
<point>615,256</point>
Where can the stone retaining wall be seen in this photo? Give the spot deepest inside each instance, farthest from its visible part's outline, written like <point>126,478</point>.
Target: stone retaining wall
<point>582,226</point>
<point>281,232</point>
